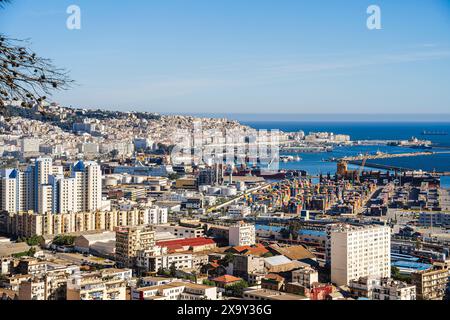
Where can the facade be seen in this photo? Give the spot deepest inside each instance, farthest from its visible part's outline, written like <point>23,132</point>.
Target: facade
<point>359,251</point>
<point>305,277</point>
<point>107,284</point>
<point>242,234</point>
<point>154,262</point>
<point>48,285</point>
<point>244,265</point>
<point>374,288</point>
<point>29,223</point>
<point>180,231</point>
<point>176,291</point>
<point>430,284</point>
<point>43,188</point>
<point>434,219</point>
<point>131,240</point>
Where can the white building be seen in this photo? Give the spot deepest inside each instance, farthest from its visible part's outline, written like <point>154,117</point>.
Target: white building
<point>375,288</point>
<point>359,251</point>
<point>306,277</point>
<point>242,234</point>
<point>44,188</point>
<point>176,291</point>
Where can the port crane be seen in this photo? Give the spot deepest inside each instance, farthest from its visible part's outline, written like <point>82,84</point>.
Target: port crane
<point>363,164</point>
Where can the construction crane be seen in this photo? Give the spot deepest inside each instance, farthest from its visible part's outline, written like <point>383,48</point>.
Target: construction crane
<point>363,164</point>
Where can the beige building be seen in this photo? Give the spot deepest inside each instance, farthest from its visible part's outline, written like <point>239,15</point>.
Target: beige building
<point>430,284</point>
<point>28,224</point>
<point>131,240</point>
<point>107,284</point>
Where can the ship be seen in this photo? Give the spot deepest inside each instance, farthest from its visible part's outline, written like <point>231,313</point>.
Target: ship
<point>434,133</point>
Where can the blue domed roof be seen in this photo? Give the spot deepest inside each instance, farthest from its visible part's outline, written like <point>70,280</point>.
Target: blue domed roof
<point>79,166</point>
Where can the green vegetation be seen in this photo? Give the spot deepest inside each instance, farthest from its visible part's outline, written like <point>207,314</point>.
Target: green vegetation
<point>207,282</point>
<point>229,257</point>
<point>63,240</point>
<point>32,241</point>
<point>267,255</point>
<point>30,253</point>
<point>163,272</point>
<point>173,270</point>
<point>237,289</point>
<point>396,275</point>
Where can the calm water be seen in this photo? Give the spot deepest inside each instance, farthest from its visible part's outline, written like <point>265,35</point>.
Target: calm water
<point>314,162</point>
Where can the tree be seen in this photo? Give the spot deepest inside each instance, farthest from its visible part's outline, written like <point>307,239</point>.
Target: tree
<point>63,240</point>
<point>237,289</point>
<point>173,270</point>
<point>210,283</point>
<point>24,76</point>
<point>227,259</point>
<point>34,240</point>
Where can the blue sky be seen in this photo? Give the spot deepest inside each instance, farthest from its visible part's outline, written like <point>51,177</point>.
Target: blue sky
<point>245,56</point>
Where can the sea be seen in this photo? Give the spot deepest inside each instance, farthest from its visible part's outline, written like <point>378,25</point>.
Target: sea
<point>315,163</point>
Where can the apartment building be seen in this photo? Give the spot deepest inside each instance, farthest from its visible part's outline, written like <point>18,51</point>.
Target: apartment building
<point>244,265</point>
<point>431,284</point>
<point>305,277</point>
<point>375,288</point>
<point>434,219</point>
<point>107,284</point>
<point>149,261</point>
<point>359,251</point>
<point>242,234</point>
<point>43,188</point>
<point>131,240</point>
<point>29,223</point>
<point>176,291</point>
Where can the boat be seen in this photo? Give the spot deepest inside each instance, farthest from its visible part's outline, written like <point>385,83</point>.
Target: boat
<point>434,133</point>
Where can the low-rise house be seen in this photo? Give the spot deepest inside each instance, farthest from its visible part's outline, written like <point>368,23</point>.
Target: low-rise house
<point>176,291</point>
<point>266,294</point>
<point>226,280</point>
<point>273,282</point>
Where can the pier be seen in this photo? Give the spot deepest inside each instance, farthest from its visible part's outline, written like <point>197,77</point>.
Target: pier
<point>386,156</point>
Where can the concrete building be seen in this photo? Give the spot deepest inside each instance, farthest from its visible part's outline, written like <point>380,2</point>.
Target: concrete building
<point>359,251</point>
<point>43,188</point>
<point>434,219</point>
<point>107,284</point>
<point>374,288</point>
<point>244,265</point>
<point>131,240</point>
<point>176,291</point>
<point>430,284</point>
<point>101,243</point>
<point>305,277</point>
<point>181,231</point>
<point>242,234</point>
<point>154,262</point>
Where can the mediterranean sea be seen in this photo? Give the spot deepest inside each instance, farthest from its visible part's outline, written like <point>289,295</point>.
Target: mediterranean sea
<point>314,163</point>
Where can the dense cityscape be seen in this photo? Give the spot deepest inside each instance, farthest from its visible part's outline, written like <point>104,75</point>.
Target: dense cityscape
<point>94,207</point>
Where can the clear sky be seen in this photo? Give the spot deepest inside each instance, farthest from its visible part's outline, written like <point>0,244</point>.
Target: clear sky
<point>245,56</point>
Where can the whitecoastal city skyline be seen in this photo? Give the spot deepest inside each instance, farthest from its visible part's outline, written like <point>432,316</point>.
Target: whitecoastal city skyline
<point>211,159</point>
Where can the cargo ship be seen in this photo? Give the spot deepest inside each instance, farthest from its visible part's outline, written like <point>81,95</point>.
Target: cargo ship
<point>434,133</point>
